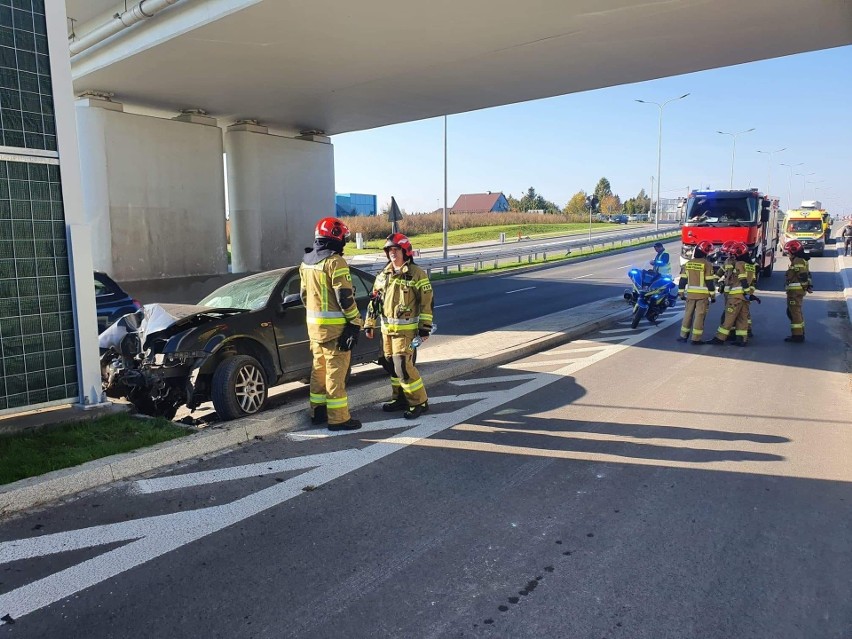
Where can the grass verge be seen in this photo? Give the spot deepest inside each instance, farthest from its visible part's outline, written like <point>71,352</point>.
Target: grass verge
<point>34,453</point>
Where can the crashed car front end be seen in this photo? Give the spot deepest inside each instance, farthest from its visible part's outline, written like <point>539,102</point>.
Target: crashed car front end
<point>145,360</point>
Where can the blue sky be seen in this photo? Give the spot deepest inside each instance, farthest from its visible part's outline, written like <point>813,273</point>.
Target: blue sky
<point>564,144</point>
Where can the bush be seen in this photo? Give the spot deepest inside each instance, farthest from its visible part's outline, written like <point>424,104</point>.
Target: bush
<point>377,227</point>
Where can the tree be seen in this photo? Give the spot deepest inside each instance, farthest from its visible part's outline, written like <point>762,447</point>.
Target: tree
<point>576,205</point>
<point>643,203</point>
<point>611,205</point>
<point>603,189</point>
<point>532,201</point>
<point>514,203</point>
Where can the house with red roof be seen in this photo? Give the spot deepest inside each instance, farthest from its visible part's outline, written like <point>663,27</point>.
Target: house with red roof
<point>481,203</point>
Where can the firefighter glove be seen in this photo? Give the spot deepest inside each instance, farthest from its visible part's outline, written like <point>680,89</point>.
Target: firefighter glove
<point>422,332</point>
<point>348,338</point>
<point>810,289</point>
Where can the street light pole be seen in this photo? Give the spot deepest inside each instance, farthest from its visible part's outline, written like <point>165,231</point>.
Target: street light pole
<point>734,151</point>
<point>790,183</point>
<point>804,177</point>
<point>660,151</point>
<point>769,175</point>
<point>445,221</point>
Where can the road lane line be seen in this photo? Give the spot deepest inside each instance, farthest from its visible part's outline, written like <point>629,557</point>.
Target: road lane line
<point>518,290</point>
<point>616,330</point>
<point>443,305</point>
<point>582,276</point>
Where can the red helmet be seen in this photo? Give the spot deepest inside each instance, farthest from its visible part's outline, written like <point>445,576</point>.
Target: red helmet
<point>705,247</point>
<point>739,249</point>
<point>332,228</point>
<point>793,247</point>
<point>728,247</point>
<point>401,242</point>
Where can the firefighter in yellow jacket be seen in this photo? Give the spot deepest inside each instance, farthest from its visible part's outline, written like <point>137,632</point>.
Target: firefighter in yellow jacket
<point>402,302</point>
<point>333,323</point>
<point>697,286</point>
<point>798,284</point>
<point>737,290</point>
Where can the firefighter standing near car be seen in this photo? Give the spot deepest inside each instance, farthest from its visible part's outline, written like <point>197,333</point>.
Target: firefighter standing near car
<point>797,284</point>
<point>722,271</point>
<point>402,299</point>
<point>697,286</point>
<point>737,291</point>
<point>333,323</point>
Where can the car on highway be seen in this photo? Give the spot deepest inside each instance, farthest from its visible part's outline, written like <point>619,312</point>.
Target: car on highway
<point>230,348</point>
<point>619,219</point>
<point>111,301</point>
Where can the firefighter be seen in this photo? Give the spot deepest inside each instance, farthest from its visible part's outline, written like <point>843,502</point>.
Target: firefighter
<point>846,235</point>
<point>737,291</point>
<point>798,284</point>
<point>751,276</point>
<point>726,251</point>
<point>697,286</point>
<point>402,301</point>
<point>333,323</point>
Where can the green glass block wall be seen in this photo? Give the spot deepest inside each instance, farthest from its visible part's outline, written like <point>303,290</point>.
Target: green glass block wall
<point>38,356</point>
<point>26,99</point>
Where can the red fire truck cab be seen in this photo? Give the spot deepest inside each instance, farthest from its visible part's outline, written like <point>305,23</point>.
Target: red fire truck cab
<point>744,216</point>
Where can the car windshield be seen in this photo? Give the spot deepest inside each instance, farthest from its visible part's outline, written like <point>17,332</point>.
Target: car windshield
<point>250,293</point>
<point>706,209</point>
<point>804,226</point>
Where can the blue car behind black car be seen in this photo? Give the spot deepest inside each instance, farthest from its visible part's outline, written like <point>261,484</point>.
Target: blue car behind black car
<point>111,301</point>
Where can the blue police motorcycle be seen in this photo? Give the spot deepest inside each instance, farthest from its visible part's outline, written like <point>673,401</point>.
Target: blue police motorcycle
<point>650,294</point>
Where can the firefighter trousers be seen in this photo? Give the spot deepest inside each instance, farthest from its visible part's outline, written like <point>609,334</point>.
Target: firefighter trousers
<point>693,318</point>
<point>405,379</point>
<point>735,317</point>
<point>794,312</point>
<point>328,380</point>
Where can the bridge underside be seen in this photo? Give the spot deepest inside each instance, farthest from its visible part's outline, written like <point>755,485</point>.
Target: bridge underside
<point>342,66</point>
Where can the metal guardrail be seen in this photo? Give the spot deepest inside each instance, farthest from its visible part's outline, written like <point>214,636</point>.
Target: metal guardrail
<point>501,254</point>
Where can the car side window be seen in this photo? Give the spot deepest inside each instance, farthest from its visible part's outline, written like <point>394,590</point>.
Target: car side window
<point>361,288</point>
<point>101,289</point>
<point>292,286</point>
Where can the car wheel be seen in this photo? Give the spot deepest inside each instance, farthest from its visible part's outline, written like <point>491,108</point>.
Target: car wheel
<point>239,387</point>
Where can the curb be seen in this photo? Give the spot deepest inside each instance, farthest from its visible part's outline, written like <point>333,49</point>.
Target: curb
<point>485,351</point>
<point>846,280</point>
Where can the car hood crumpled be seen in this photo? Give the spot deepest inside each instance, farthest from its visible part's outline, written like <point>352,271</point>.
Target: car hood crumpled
<point>153,318</point>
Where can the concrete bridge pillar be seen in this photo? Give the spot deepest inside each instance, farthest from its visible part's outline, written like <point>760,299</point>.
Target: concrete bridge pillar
<point>278,188</point>
<point>153,191</point>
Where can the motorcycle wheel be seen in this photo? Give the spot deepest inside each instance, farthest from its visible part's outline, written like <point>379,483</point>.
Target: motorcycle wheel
<point>637,317</point>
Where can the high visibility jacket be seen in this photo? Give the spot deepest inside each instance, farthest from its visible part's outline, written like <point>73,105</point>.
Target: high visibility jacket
<point>697,279</point>
<point>798,275</point>
<point>406,300</point>
<point>661,263</point>
<point>751,276</point>
<point>328,296</point>
<point>736,279</point>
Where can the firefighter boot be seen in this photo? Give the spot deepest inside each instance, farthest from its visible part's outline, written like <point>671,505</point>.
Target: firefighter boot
<point>320,415</point>
<point>351,424</point>
<point>715,341</point>
<point>795,338</point>
<point>416,411</point>
<point>398,402</point>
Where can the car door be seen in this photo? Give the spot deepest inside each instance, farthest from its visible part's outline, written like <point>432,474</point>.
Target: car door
<point>291,332</point>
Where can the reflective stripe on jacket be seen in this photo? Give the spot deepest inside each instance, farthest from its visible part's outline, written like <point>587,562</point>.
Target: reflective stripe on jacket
<point>798,275</point>
<point>329,298</point>
<point>406,300</point>
<point>697,279</point>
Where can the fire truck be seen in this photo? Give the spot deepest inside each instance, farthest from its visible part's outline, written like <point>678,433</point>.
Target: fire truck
<point>744,216</point>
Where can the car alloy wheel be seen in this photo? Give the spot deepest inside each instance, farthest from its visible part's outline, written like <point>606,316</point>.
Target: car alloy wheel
<point>239,387</point>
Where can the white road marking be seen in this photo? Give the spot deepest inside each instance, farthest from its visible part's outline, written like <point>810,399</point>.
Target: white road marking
<point>489,380</point>
<point>616,330</point>
<point>146,486</point>
<point>443,305</point>
<point>582,349</point>
<point>152,537</point>
<point>518,290</point>
<point>526,364</point>
<point>582,276</point>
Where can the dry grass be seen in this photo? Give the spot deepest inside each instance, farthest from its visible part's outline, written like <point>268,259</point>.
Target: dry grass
<point>377,227</point>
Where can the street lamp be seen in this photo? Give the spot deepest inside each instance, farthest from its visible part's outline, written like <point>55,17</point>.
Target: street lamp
<point>804,176</point>
<point>769,175</point>
<point>734,151</point>
<point>814,182</point>
<point>445,221</point>
<point>790,183</point>
<point>660,151</point>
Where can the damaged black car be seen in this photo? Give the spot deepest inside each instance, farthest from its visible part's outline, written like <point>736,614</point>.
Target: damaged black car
<point>230,348</point>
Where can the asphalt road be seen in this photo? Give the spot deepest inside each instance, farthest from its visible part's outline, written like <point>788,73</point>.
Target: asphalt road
<point>623,485</point>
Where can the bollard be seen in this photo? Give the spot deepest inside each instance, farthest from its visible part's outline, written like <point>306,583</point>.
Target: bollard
<point>359,241</point>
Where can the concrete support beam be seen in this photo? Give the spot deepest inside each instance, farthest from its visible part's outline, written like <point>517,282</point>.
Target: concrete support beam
<point>154,192</point>
<point>277,189</point>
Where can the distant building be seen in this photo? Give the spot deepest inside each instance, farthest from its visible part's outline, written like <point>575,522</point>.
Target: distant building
<point>355,204</point>
<point>481,203</point>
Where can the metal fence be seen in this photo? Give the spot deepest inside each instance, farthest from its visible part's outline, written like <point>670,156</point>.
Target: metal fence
<point>525,252</point>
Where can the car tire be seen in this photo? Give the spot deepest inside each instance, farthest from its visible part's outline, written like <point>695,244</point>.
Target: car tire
<point>239,387</point>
